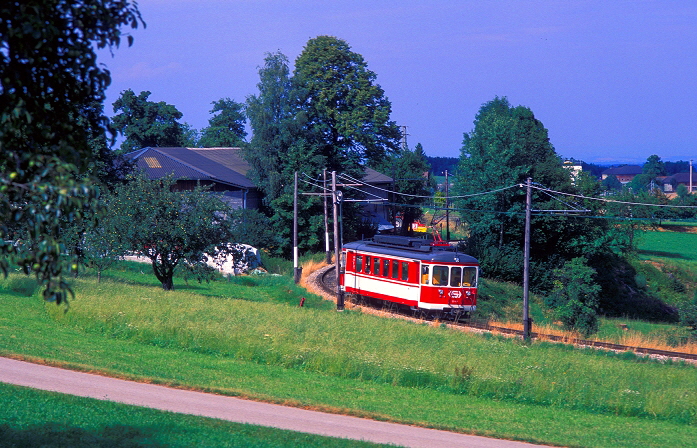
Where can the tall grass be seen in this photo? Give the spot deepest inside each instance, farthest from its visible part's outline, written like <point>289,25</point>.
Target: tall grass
<point>629,332</point>
<point>353,345</point>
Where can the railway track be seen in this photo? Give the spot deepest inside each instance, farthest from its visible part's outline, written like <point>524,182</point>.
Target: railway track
<point>327,282</point>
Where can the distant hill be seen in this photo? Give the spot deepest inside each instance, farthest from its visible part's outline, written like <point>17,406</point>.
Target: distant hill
<point>440,164</point>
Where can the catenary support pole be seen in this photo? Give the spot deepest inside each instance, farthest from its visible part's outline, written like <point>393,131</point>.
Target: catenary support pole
<point>337,248</point>
<point>327,250</point>
<point>690,176</point>
<point>297,271</point>
<point>526,262</point>
<point>447,208</point>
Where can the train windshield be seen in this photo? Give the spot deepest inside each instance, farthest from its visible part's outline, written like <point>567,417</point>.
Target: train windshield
<point>454,276</point>
<point>466,276</point>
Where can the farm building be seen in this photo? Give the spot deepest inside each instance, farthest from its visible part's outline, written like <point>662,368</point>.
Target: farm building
<point>225,171</point>
<point>624,173</point>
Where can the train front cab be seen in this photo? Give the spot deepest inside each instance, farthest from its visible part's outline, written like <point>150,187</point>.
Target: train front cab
<point>448,287</point>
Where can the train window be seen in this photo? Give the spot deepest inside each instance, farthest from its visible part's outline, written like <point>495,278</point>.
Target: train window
<point>367,265</point>
<point>376,266</point>
<point>469,276</point>
<point>359,263</point>
<point>456,276</point>
<point>405,271</point>
<point>440,275</point>
<point>385,267</point>
<point>395,268</point>
<point>424,274</point>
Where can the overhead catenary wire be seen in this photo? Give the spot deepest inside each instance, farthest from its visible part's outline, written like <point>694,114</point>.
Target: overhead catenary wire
<point>327,191</point>
<point>541,188</point>
<point>572,211</point>
<point>351,179</point>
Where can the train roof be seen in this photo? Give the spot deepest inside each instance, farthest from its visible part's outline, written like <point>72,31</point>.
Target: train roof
<point>414,248</point>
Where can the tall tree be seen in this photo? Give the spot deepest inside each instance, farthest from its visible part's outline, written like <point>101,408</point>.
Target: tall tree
<point>147,123</point>
<point>49,77</point>
<point>647,180</point>
<point>277,127</point>
<point>348,114</point>
<point>654,166</point>
<point>279,147</point>
<point>508,145</point>
<point>226,127</point>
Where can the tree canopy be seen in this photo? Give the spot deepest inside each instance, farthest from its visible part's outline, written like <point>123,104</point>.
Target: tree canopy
<point>348,114</point>
<point>147,123</point>
<point>49,80</point>
<point>226,127</point>
<point>277,127</point>
<point>328,114</point>
<point>507,146</point>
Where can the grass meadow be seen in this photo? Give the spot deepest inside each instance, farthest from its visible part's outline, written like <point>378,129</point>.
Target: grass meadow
<point>680,245</point>
<point>247,336</point>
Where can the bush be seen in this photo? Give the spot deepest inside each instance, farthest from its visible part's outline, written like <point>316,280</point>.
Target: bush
<point>574,297</point>
<point>688,316</point>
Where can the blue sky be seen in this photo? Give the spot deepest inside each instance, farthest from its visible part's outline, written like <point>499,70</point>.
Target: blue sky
<point>613,81</point>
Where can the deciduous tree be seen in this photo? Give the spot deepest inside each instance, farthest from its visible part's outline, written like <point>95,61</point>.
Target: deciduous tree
<point>169,227</point>
<point>277,127</point>
<point>508,145</point>
<point>147,123</point>
<point>226,127</point>
<point>49,77</point>
<point>279,148</point>
<point>348,114</point>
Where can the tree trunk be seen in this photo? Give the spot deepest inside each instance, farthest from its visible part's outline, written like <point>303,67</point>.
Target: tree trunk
<point>165,274</point>
<point>168,284</point>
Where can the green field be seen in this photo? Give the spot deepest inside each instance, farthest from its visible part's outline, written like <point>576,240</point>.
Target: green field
<point>247,337</point>
<point>671,245</point>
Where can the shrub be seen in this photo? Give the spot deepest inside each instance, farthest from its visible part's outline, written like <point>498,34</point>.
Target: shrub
<point>574,297</point>
<point>688,316</point>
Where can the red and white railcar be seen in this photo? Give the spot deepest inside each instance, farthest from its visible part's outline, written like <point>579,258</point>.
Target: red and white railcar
<point>411,271</point>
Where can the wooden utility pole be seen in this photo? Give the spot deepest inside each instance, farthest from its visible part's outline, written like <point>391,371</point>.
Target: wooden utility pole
<point>336,199</point>
<point>526,263</point>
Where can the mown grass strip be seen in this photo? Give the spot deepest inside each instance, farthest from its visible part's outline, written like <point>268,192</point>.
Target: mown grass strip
<point>38,418</point>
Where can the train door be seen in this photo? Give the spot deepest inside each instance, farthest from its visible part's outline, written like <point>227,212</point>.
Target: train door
<point>357,267</point>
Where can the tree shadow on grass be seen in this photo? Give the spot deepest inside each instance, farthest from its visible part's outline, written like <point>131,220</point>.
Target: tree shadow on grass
<point>659,253</point>
<point>679,228</point>
<point>60,435</point>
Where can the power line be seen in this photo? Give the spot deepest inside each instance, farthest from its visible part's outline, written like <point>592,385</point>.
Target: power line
<point>572,208</point>
<point>426,197</point>
<point>609,200</point>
